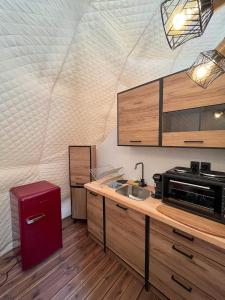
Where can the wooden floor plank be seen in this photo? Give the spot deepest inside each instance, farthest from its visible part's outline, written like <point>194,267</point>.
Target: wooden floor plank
<point>71,235</point>
<point>152,294</point>
<point>144,295</point>
<point>23,280</point>
<point>133,289</point>
<point>80,270</point>
<point>67,222</point>
<point>60,275</point>
<point>119,286</point>
<point>107,282</point>
<point>92,279</point>
<point>78,279</point>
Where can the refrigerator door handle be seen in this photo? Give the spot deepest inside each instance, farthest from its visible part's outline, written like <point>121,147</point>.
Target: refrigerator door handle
<point>34,219</point>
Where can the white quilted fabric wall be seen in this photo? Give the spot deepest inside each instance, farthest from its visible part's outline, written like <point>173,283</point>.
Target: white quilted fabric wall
<point>61,64</point>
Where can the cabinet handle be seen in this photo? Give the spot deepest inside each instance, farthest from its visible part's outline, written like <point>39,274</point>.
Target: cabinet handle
<point>122,207</point>
<point>182,252</point>
<point>79,183</point>
<point>34,219</point>
<point>201,142</point>
<point>182,234</point>
<point>135,141</point>
<point>93,194</point>
<point>187,288</point>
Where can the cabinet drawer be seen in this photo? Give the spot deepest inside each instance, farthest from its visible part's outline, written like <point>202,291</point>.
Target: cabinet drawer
<point>95,215</point>
<point>173,285</point>
<point>125,234</point>
<point>213,139</point>
<point>204,273</point>
<point>206,249</point>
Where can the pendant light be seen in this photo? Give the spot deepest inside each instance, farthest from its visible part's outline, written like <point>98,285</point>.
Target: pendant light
<point>184,20</point>
<point>208,66</point>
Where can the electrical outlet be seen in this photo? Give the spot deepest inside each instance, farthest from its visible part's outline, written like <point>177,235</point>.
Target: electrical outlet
<point>205,166</point>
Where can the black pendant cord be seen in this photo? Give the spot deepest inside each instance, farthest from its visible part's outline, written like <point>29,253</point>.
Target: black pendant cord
<point>147,239</point>
<point>104,234</point>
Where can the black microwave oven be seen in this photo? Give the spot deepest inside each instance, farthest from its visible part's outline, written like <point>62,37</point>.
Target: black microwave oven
<point>197,193</point>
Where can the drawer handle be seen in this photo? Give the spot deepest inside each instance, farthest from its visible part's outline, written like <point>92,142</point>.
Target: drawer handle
<point>34,219</point>
<point>201,142</point>
<point>122,207</point>
<point>135,141</point>
<point>79,183</point>
<point>187,288</point>
<point>93,194</point>
<point>181,252</point>
<point>190,238</point>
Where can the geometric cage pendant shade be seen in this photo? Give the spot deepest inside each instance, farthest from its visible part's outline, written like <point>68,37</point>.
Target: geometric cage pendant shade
<point>184,20</point>
<point>208,66</point>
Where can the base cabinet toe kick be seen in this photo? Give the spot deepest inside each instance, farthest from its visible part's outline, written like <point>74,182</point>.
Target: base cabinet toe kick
<point>179,265</point>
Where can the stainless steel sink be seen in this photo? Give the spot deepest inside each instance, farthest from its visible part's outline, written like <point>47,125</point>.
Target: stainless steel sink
<point>134,192</point>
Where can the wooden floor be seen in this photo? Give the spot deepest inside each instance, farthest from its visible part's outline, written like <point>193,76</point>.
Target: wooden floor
<point>81,270</point>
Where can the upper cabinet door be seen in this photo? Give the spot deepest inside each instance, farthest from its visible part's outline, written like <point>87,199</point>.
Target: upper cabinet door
<point>138,116</point>
<point>180,92</point>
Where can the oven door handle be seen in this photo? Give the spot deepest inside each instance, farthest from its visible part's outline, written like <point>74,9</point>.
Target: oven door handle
<point>191,184</point>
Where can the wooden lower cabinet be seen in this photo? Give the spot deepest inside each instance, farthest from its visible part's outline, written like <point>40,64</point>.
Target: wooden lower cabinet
<point>204,248</point>
<point>95,215</point>
<point>181,266</point>
<point>181,269</point>
<point>172,285</point>
<point>125,234</point>
<point>79,203</point>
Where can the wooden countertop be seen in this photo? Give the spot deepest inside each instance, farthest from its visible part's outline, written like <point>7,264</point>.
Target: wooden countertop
<point>149,208</point>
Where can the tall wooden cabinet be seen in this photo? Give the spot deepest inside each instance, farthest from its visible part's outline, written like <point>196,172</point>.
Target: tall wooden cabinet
<point>81,160</point>
<point>138,116</point>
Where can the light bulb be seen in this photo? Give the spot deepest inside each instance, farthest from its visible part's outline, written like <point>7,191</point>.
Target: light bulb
<point>218,114</point>
<point>202,71</point>
<point>179,20</point>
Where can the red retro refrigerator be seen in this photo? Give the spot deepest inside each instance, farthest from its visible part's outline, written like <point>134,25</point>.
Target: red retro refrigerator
<point>36,221</point>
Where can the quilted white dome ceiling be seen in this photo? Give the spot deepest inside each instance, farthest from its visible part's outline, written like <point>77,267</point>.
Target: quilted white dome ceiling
<point>61,64</point>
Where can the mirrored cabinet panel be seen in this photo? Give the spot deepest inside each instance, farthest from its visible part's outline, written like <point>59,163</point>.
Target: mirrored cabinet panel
<point>213,117</point>
<point>182,120</point>
<point>195,119</point>
<point>196,127</point>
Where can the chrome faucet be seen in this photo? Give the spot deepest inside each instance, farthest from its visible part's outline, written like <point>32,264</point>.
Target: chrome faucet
<point>142,181</point>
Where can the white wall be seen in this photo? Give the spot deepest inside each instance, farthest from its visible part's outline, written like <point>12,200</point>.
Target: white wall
<point>156,160</point>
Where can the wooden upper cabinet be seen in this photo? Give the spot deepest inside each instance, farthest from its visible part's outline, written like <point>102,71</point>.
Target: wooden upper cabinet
<point>82,159</point>
<point>189,113</point>
<point>138,115</point>
<point>180,92</point>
